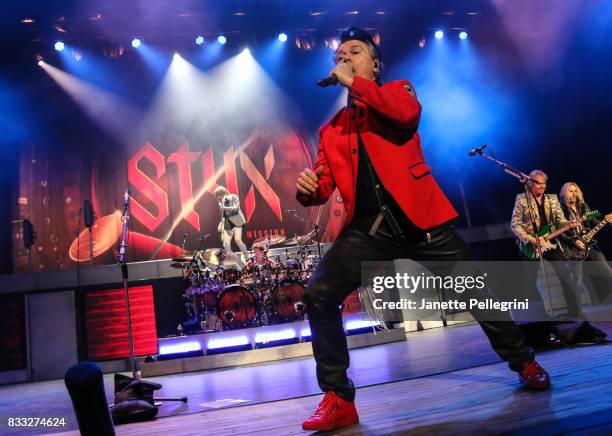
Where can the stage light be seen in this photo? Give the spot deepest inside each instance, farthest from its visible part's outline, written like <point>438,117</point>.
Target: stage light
<point>463,35</point>
<point>246,51</point>
<point>200,40</point>
<point>59,45</point>
<point>228,345</point>
<point>282,37</point>
<point>221,39</point>
<point>182,347</point>
<point>356,327</point>
<point>231,341</point>
<point>439,34</point>
<point>41,63</point>
<point>275,338</point>
<point>334,44</point>
<point>178,355</point>
<point>176,56</point>
<point>136,42</point>
<point>360,323</point>
<point>275,335</point>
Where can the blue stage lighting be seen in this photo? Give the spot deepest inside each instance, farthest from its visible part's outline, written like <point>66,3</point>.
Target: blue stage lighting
<point>439,34</point>
<point>200,40</point>
<point>136,42</point>
<point>282,37</point>
<point>221,39</point>
<point>59,46</point>
<point>463,35</point>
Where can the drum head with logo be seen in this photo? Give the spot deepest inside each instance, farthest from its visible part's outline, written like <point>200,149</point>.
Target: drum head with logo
<point>237,307</point>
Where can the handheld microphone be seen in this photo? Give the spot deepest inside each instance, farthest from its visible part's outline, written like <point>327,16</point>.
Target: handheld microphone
<point>478,150</point>
<point>328,81</point>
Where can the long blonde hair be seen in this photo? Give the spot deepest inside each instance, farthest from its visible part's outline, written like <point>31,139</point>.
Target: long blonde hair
<point>565,189</point>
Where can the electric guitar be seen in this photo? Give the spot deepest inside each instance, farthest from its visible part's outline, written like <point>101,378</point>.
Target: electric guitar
<point>575,254</point>
<point>547,234</point>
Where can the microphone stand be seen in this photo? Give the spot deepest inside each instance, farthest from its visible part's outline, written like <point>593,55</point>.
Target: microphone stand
<point>523,179</point>
<point>124,274</point>
<point>315,226</point>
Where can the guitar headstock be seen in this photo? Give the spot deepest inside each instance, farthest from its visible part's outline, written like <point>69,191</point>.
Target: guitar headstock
<point>592,214</point>
<point>608,218</point>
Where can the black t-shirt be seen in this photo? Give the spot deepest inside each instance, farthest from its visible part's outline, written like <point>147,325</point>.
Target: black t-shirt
<point>542,214</point>
<point>366,203</point>
<point>367,207</point>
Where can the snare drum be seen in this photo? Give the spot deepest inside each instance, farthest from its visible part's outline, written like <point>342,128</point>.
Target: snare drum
<point>230,275</point>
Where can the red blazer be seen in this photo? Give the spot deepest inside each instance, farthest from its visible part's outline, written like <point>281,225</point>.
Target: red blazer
<point>387,118</point>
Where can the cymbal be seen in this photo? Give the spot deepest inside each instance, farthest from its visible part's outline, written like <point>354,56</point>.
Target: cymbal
<point>268,240</point>
<point>212,256</point>
<point>300,240</point>
<point>186,257</point>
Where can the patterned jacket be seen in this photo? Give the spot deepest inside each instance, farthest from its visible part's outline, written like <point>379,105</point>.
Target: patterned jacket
<point>521,218</point>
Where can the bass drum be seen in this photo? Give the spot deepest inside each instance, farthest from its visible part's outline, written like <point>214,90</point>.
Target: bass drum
<point>288,301</point>
<point>237,307</point>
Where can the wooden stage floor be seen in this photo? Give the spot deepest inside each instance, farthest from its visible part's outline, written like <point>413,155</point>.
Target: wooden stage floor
<point>440,381</point>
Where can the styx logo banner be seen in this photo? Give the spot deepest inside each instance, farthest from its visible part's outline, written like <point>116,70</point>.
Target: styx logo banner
<point>171,187</point>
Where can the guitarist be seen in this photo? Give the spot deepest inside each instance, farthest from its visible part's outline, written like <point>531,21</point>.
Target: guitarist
<point>547,210</point>
<point>573,204</point>
<point>232,220</point>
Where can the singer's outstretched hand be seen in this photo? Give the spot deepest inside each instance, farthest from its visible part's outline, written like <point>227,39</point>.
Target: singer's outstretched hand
<point>345,73</point>
<point>307,181</point>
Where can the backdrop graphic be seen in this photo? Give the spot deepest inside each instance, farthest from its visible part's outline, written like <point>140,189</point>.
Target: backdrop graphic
<point>171,186</point>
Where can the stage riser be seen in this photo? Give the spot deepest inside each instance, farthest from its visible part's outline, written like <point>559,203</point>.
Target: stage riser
<point>177,366</point>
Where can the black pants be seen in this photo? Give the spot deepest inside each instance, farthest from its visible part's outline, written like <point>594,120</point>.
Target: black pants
<point>571,293</point>
<point>597,274</point>
<point>340,273</point>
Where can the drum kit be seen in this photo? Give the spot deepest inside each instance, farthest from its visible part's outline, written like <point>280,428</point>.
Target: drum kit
<point>224,293</point>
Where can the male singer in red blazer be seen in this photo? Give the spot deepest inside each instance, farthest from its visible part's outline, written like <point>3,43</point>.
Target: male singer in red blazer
<point>371,152</point>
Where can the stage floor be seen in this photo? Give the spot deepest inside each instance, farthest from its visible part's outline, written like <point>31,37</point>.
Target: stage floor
<point>445,380</point>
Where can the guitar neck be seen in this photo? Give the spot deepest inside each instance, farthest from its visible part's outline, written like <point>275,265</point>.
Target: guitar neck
<point>587,238</point>
<point>557,232</point>
<point>566,227</point>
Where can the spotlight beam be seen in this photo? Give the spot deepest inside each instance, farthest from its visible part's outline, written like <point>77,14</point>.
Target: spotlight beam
<point>108,110</point>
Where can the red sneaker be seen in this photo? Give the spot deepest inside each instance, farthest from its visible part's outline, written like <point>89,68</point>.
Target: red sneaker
<point>333,413</point>
<point>534,377</point>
